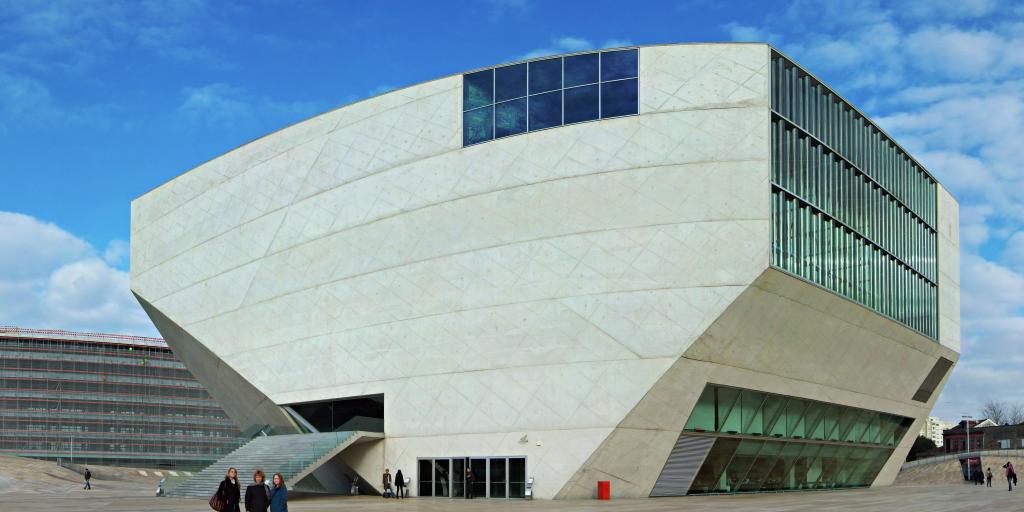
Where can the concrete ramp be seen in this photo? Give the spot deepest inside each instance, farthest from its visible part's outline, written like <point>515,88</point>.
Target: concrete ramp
<point>295,456</point>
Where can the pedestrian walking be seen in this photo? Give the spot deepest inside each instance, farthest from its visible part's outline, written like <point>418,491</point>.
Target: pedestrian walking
<point>228,493</point>
<point>88,476</point>
<point>386,483</point>
<point>257,495</point>
<point>1011,475</point>
<point>988,477</point>
<point>399,484</point>
<point>278,494</point>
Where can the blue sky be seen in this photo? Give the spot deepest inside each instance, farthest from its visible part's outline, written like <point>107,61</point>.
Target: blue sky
<point>102,101</point>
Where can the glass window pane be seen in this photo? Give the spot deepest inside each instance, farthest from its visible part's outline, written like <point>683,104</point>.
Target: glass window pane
<point>729,410</point>
<point>516,477</point>
<point>742,460</point>
<point>510,118</point>
<point>581,104</point>
<point>441,477</point>
<point>509,82</point>
<point>619,98</point>
<point>477,125</point>
<point>458,478</point>
<point>711,475</point>
<point>479,469</point>
<point>545,110</point>
<point>497,478</point>
<point>477,89</point>
<point>545,75</point>
<point>425,472</point>
<point>702,419</point>
<point>751,413</point>
<point>619,64</point>
<point>581,69</point>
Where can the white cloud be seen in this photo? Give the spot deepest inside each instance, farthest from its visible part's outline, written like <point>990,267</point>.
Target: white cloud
<point>57,280</point>
<point>225,105</point>
<point>570,44</point>
<point>750,34</point>
<point>1013,252</point>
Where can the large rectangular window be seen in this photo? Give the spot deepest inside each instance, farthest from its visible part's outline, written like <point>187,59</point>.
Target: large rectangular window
<point>768,442</point>
<point>851,211</point>
<point>550,92</point>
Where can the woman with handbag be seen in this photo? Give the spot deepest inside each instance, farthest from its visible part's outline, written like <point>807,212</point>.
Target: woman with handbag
<point>228,493</point>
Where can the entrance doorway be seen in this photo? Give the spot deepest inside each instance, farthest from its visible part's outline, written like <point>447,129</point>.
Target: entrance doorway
<point>493,477</point>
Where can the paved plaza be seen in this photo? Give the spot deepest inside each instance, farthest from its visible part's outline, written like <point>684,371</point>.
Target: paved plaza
<point>901,498</point>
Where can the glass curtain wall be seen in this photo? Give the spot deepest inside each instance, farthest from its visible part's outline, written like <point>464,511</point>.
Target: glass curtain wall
<point>546,93</point>
<point>851,211</point>
<point>768,442</point>
<point>107,403</point>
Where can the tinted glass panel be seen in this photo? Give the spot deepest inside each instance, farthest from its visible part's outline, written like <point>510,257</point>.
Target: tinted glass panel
<point>545,75</point>
<point>516,478</point>
<point>545,110</point>
<point>620,64</point>
<point>509,82</point>
<point>425,474</point>
<point>619,98</point>
<point>497,478</point>
<point>581,104</point>
<point>477,89</point>
<point>477,126</point>
<point>581,69</point>
<point>510,118</point>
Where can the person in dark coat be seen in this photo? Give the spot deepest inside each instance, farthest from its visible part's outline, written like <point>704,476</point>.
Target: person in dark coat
<point>229,491</point>
<point>469,484</point>
<point>278,494</point>
<point>88,476</point>
<point>257,495</point>
<point>1011,475</point>
<point>399,484</point>
<point>988,478</point>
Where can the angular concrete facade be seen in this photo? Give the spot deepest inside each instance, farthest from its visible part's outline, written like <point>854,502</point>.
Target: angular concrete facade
<point>562,295</point>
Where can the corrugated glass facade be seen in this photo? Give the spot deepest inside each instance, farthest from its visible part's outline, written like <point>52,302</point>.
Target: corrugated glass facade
<point>768,442</point>
<point>101,399</point>
<point>851,211</point>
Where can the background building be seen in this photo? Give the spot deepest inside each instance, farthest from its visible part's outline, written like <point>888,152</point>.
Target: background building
<point>680,268</point>
<point>933,428</point>
<point>105,399</point>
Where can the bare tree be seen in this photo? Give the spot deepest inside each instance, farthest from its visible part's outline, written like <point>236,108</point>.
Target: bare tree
<point>1015,414</point>
<point>995,410</point>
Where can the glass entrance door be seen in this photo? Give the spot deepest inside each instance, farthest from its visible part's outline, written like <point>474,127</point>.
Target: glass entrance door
<point>493,477</point>
<point>479,468</point>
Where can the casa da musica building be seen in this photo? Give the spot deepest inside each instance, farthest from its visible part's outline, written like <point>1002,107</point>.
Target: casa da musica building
<point>686,269</point>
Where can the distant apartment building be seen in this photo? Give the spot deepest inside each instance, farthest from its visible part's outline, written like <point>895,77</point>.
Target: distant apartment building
<point>106,399</point>
<point>933,428</point>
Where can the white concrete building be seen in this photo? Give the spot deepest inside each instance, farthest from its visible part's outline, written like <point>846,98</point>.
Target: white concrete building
<point>933,427</point>
<point>682,268</point>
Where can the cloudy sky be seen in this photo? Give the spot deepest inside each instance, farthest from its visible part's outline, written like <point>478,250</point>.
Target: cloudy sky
<point>102,101</point>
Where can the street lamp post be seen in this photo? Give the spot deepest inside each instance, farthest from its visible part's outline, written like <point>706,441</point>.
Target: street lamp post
<point>967,421</point>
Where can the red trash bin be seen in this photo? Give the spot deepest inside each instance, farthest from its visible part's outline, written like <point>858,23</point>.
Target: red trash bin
<point>604,490</point>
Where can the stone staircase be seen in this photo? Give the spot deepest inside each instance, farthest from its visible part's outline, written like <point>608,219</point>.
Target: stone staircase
<point>294,456</point>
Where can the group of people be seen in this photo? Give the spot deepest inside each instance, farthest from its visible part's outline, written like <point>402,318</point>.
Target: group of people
<point>259,497</point>
<point>980,477</point>
<point>400,491</point>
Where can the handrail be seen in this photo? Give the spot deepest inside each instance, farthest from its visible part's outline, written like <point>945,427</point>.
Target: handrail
<point>1009,452</point>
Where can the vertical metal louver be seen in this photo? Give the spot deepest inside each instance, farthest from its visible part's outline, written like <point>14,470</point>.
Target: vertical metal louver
<point>682,465</point>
